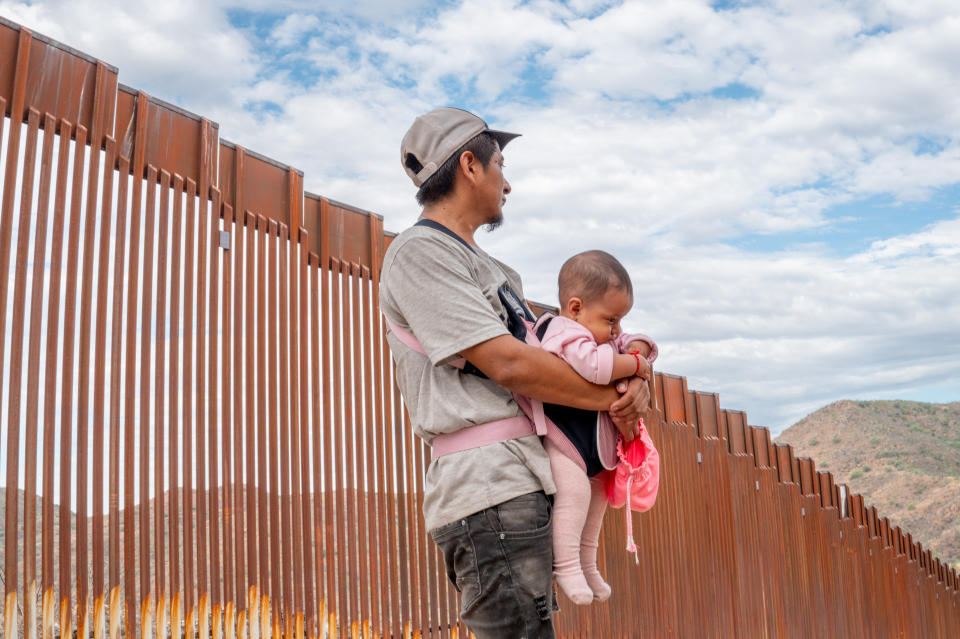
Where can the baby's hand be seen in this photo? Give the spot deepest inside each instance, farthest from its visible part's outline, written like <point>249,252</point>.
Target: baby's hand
<point>645,369</point>
<point>641,347</point>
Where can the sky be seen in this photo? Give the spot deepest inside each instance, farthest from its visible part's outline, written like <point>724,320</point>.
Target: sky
<point>781,178</point>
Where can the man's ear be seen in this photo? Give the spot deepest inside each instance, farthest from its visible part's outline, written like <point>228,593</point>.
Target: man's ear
<point>574,306</point>
<point>469,166</point>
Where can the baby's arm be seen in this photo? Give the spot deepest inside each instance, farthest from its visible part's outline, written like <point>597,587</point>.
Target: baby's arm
<point>575,345</point>
<point>625,364</point>
<point>599,363</point>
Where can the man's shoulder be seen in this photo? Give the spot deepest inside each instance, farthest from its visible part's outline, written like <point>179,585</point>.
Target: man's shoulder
<point>422,239</point>
<point>419,252</point>
<point>422,255</point>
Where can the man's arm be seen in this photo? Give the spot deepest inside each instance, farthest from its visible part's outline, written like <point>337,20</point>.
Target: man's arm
<point>535,373</point>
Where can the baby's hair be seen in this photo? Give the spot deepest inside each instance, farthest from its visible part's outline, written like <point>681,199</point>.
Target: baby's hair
<point>589,275</point>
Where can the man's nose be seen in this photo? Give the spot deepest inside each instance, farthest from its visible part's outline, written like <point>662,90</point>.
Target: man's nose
<point>506,186</point>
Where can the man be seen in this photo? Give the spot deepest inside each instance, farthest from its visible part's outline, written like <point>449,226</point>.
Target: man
<point>486,498</point>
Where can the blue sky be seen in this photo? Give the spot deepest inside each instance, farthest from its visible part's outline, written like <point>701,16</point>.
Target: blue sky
<point>782,178</point>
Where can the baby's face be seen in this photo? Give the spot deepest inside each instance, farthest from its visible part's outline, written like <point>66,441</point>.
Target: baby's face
<point>602,316</point>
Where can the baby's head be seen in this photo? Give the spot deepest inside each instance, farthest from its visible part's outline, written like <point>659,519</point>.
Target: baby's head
<point>595,291</point>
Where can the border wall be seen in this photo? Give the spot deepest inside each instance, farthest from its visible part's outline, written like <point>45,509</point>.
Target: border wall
<point>202,435</point>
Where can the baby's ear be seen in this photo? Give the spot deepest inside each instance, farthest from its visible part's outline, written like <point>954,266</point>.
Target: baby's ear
<point>574,306</point>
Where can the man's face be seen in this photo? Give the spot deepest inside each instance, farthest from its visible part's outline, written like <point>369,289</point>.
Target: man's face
<point>493,188</point>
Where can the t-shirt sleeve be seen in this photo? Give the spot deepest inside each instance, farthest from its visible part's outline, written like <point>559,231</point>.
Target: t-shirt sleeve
<point>442,303</point>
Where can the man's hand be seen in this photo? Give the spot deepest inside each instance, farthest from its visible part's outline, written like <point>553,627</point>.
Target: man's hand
<point>626,411</point>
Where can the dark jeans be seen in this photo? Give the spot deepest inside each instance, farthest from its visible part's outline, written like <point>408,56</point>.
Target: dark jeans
<point>501,561</point>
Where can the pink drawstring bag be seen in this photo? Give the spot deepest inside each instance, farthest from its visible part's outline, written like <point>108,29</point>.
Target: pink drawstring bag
<point>635,480</point>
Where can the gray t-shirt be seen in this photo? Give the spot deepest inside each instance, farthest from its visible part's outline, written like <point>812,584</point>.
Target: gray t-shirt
<point>446,295</point>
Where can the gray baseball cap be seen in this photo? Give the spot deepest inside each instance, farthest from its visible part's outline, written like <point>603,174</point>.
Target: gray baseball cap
<point>435,136</point>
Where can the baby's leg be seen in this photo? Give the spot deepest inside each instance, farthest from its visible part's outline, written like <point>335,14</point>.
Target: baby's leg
<point>590,539</point>
<point>569,513</point>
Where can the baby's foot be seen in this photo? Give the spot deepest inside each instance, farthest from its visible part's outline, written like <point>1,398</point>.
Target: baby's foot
<point>601,589</point>
<point>575,586</point>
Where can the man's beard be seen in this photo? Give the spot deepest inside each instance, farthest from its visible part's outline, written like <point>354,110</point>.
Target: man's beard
<point>494,223</point>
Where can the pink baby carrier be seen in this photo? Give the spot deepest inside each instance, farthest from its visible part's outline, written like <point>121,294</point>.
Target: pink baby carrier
<point>635,480</point>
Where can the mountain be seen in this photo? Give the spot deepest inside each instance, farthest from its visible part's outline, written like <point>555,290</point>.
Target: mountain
<point>903,457</point>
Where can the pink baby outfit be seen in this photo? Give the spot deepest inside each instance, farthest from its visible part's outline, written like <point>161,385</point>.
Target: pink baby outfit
<point>580,501</point>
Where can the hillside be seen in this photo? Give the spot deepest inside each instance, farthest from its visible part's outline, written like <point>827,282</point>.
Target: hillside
<point>903,457</point>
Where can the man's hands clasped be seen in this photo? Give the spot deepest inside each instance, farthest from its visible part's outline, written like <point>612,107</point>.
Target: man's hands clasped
<point>633,403</point>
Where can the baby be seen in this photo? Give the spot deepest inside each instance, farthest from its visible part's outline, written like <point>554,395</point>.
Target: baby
<point>595,294</point>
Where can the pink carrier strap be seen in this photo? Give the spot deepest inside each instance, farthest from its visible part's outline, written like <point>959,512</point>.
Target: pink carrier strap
<point>411,342</point>
<point>482,434</point>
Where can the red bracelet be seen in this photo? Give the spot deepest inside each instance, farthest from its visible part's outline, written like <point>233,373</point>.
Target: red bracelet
<point>636,354</point>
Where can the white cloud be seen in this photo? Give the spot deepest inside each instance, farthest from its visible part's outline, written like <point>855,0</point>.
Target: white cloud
<point>626,147</point>
<point>661,50</point>
<point>806,328</point>
<point>294,27</point>
<point>365,9</point>
<point>910,176</point>
<point>477,47</point>
<point>941,240</point>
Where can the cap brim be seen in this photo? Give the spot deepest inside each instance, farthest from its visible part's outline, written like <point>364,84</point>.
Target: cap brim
<point>502,137</point>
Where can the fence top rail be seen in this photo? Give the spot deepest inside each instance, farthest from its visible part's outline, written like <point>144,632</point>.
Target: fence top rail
<point>166,105</point>
<point>56,44</point>
<point>345,206</point>
<point>259,156</point>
